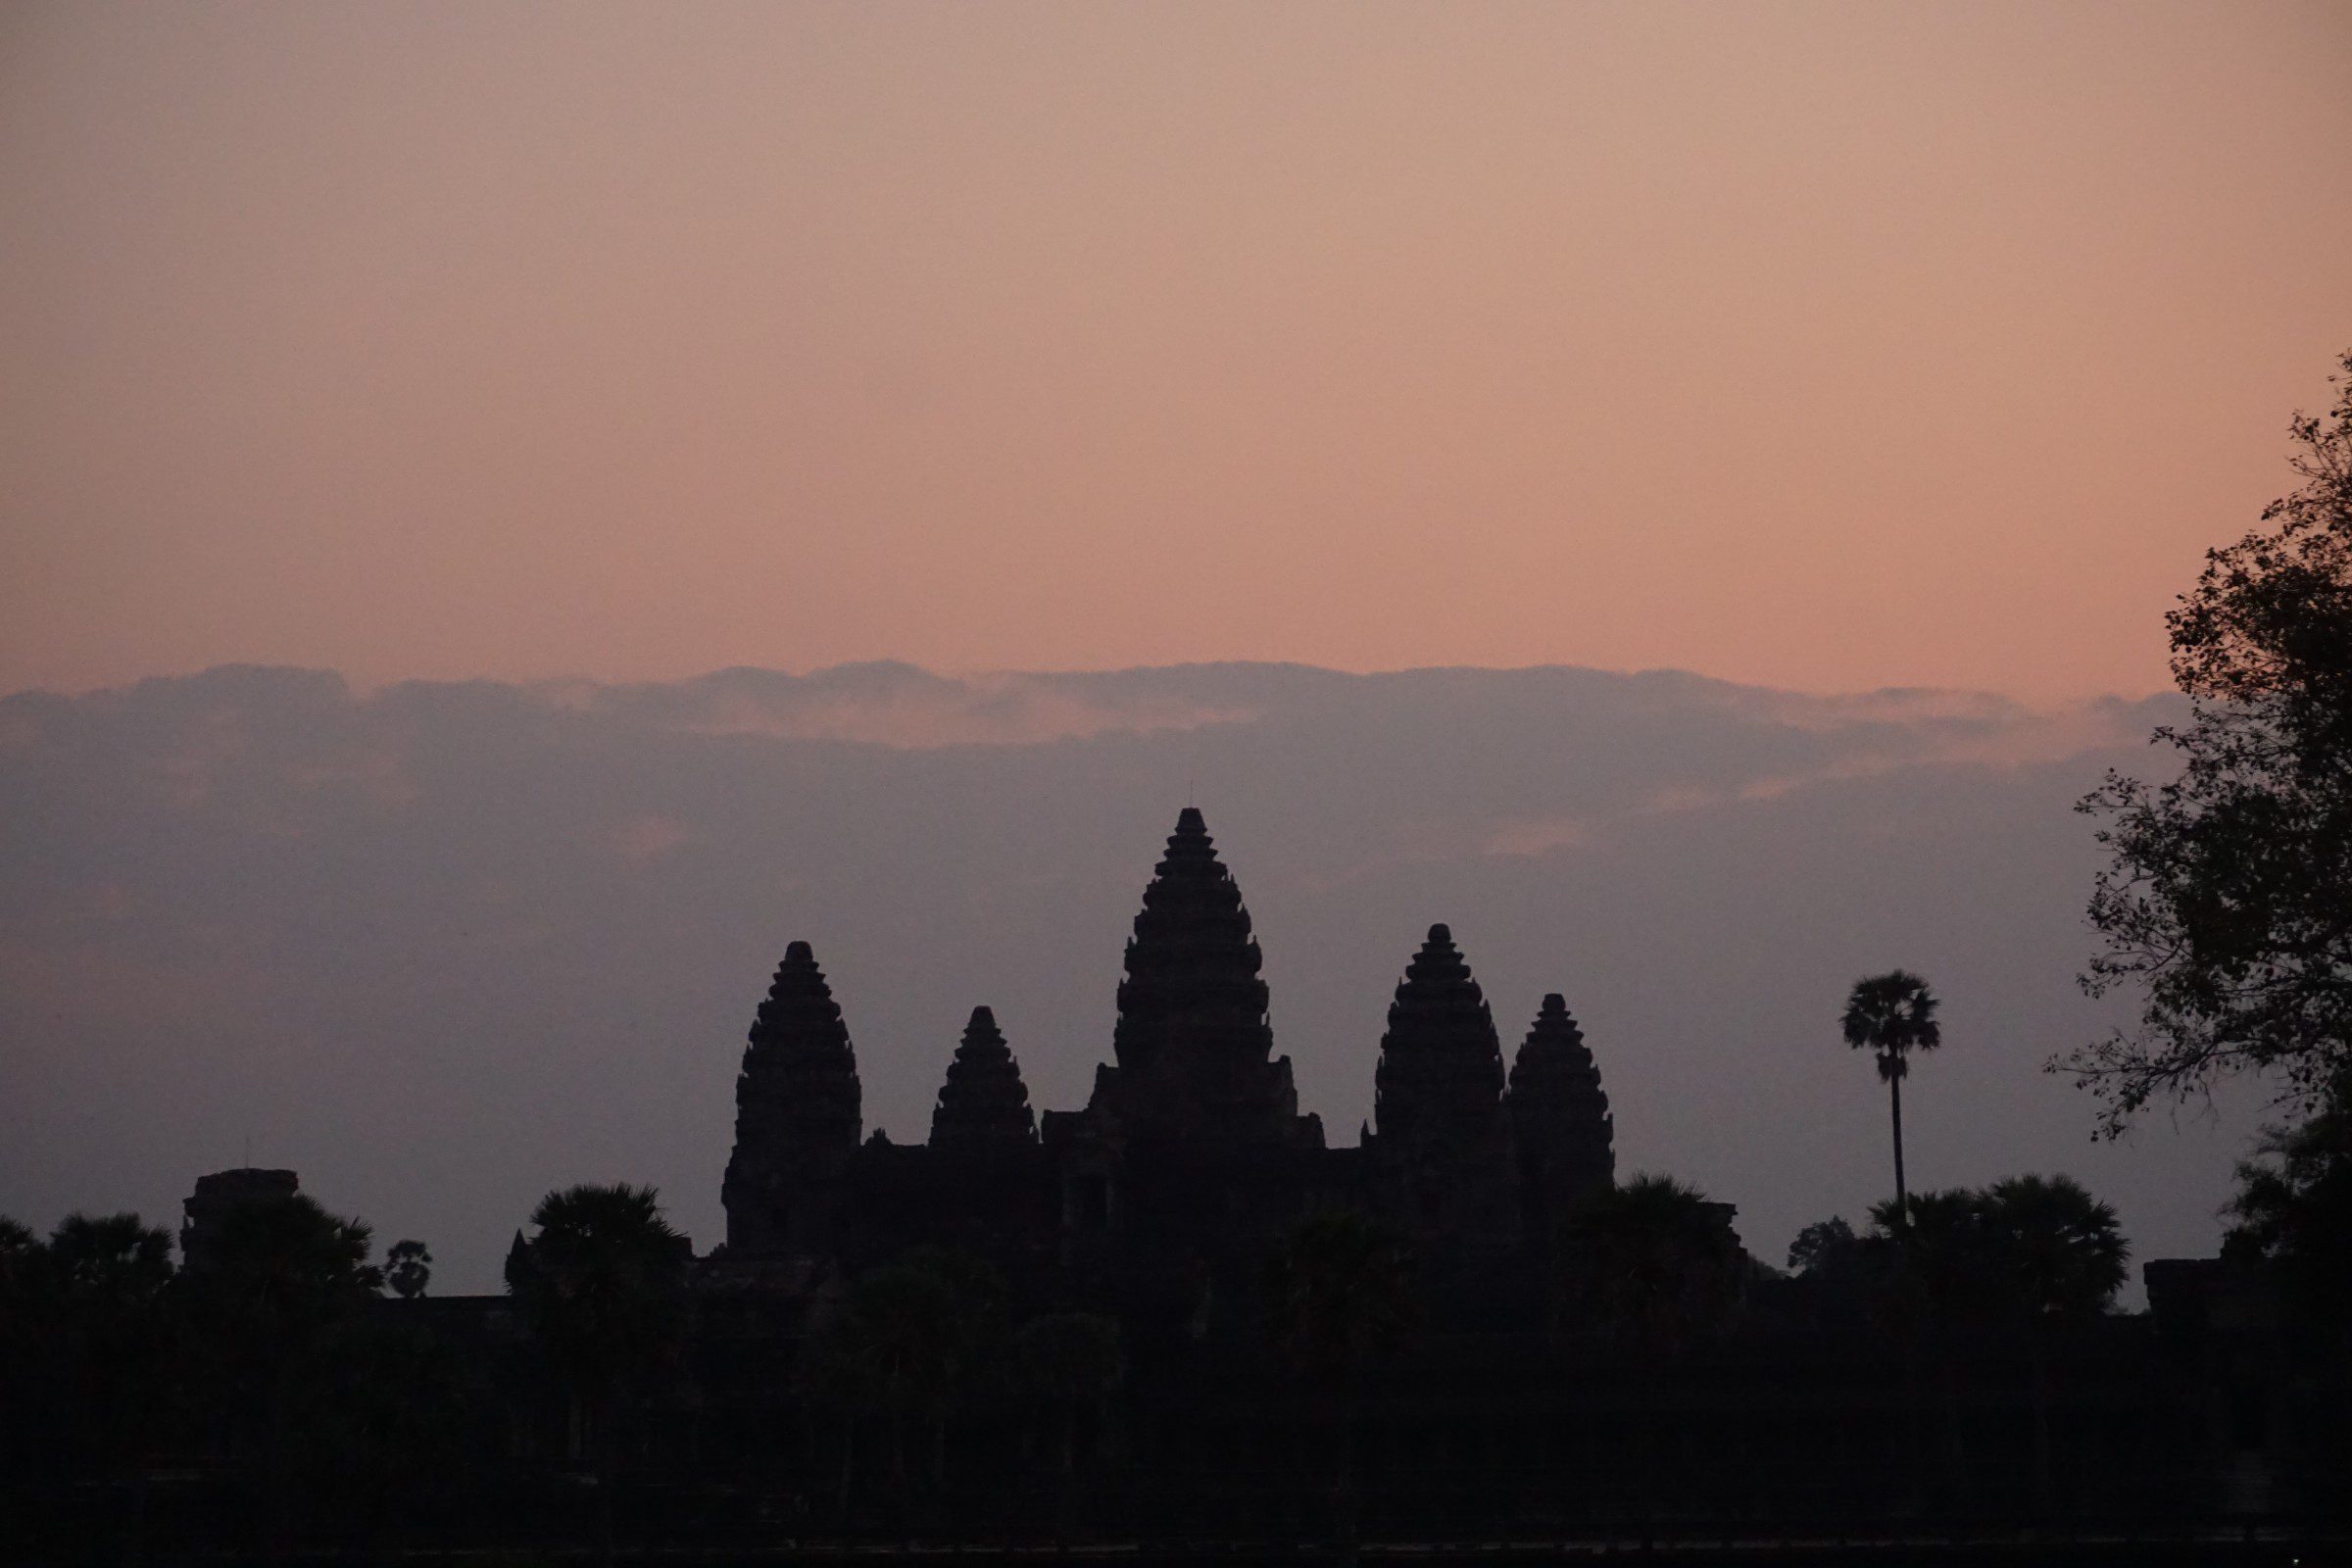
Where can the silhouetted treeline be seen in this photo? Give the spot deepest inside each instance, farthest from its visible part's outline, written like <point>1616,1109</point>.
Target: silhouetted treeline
<point>1957,1358</point>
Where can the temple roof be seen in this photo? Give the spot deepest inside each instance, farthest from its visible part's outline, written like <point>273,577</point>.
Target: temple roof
<point>800,1074</point>
<point>983,1104</point>
<point>1194,1049</point>
<point>1554,1068</point>
<point>1192,964</point>
<point>1441,1061</point>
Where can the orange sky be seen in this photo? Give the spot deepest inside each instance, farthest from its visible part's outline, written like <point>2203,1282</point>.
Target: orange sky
<point>1824,346</point>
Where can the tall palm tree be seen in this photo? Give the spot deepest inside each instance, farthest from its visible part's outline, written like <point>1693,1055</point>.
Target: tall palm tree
<point>1892,1014</point>
<point>603,1284</point>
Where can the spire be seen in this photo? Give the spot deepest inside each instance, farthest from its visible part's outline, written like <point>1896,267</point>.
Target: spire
<point>1558,1111</point>
<point>1442,1136</point>
<point>519,1264</point>
<point>1194,1051</point>
<point>1441,1063</point>
<point>1192,964</point>
<point>983,1104</point>
<point>1554,1073</point>
<point>796,1105</point>
<point>800,1075</point>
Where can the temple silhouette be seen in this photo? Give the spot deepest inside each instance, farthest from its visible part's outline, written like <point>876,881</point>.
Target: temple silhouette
<point>1192,1148</point>
<point>1178,1321</point>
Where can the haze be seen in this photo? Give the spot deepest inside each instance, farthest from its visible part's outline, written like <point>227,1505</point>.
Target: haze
<point>1823,347</point>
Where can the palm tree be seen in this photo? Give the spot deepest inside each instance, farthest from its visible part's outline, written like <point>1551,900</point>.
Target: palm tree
<point>2061,1257</point>
<point>274,1279</point>
<point>2034,1251</point>
<point>1933,1273</point>
<point>107,1279</point>
<point>1339,1291</point>
<point>1892,1014</point>
<point>603,1284</point>
<point>1655,1262</point>
<point>2062,1254</point>
<point>1657,1265</point>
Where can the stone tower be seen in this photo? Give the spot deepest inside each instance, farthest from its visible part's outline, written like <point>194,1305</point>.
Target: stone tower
<point>1442,1140</point>
<point>221,1193</point>
<point>1194,1047</point>
<point>983,1107</point>
<point>1559,1118</point>
<point>796,1118</point>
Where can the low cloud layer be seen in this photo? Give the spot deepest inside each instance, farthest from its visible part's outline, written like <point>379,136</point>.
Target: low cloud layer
<point>442,947</point>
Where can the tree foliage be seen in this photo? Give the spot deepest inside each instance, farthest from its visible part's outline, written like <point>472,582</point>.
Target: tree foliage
<point>1824,1248</point>
<point>275,1277</point>
<point>603,1284</point>
<point>1655,1262</point>
<point>2228,895</point>
<point>2293,1211</point>
<point>2025,1249</point>
<point>1892,1015</point>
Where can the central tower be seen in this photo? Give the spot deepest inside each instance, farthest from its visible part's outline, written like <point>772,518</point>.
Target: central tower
<point>1193,1044</point>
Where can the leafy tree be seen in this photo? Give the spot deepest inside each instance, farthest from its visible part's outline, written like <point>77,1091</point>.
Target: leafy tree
<point>2228,895</point>
<point>408,1269</point>
<point>1824,1247</point>
<point>1892,1014</point>
<point>2293,1211</point>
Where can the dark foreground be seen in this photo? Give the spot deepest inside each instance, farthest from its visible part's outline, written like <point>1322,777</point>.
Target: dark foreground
<point>2263,1547</point>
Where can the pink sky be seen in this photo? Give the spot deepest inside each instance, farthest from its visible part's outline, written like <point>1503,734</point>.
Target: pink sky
<point>1822,345</point>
